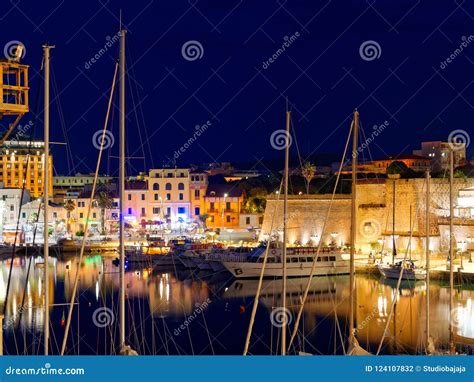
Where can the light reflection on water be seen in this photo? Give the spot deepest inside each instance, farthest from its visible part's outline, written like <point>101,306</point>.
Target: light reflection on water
<point>160,302</point>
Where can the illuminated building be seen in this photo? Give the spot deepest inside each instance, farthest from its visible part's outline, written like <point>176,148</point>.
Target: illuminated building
<point>223,206</point>
<point>168,195</point>
<point>13,170</point>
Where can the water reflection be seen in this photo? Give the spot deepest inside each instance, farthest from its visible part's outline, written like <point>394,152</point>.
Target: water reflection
<point>171,297</point>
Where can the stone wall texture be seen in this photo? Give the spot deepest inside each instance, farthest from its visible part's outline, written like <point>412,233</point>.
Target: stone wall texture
<point>307,214</point>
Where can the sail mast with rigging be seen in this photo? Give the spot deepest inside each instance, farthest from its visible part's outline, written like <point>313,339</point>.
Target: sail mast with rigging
<point>285,212</point>
<point>46,56</point>
<point>451,253</point>
<point>353,228</point>
<point>122,189</point>
<point>427,260</point>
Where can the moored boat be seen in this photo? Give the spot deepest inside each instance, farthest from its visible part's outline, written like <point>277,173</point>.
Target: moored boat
<point>299,263</point>
<point>408,269</point>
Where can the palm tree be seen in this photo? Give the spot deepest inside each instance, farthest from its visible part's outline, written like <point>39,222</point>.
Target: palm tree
<point>69,206</point>
<point>308,170</point>
<point>104,202</point>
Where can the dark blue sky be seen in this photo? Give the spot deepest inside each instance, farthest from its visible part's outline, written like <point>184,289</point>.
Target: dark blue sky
<point>321,72</point>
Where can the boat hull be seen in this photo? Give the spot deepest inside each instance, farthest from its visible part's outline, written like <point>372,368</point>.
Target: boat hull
<point>391,272</point>
<point>252,270</point>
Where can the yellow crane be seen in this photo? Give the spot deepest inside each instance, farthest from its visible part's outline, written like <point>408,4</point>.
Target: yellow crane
<point>13,89</point>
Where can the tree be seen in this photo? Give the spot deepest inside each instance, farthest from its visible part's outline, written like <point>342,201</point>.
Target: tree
<point>203,219</point>
<point>399,167</point>
<point>104,202</point>
<point>308,170</point>
<point>69,206</point>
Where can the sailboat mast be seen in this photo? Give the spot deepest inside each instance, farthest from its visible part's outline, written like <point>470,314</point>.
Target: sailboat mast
<point>427,254</point>
<point>394,250</point>
<point>451,252</point>
<point>285,214</point>
<point>353,227</point>
<point>122,188</point>
<point>46,56</point>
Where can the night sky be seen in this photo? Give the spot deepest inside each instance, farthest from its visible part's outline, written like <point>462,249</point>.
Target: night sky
<point>232,84</point>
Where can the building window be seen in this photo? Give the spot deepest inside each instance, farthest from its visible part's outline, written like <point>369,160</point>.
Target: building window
<point>197,211</point>
<point>212,206</point>
<point>129,211</point>
<point>181,196</point>
<point>156,196</point>
<point>197,194</point>
<point>168,211</point>
<point>156,186</point>
<point>23,215</point>
<point>143,196</point>
<point>129,196</point>
<point>181,210</point>
<point>81,215</point>
<point>12,207</point>
<point>143,212</point>
<point>227,206</point>
<point>227,218</point>
<point>247,220</point>
<point>168,196</point>
<point>168,187</point>
<point>94,215</point>
<point>156,210</point>
<point>180,186</point>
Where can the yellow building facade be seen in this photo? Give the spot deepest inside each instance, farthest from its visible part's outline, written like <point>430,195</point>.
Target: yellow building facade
<point>16,167</point>
<point>223,205</point>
